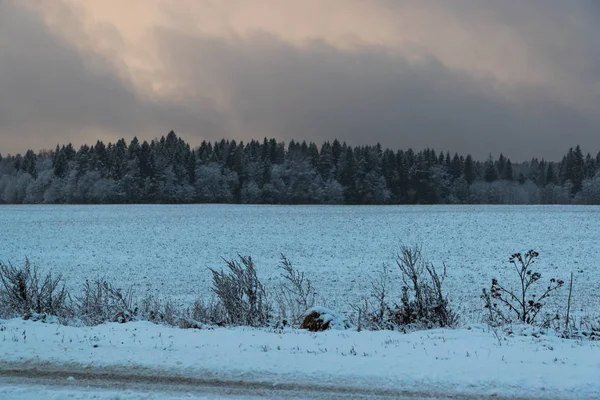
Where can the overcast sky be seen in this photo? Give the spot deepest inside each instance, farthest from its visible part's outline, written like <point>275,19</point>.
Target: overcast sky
<point>513,76</point>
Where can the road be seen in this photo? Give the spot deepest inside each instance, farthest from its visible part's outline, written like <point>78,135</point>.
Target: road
<point>44,381</point>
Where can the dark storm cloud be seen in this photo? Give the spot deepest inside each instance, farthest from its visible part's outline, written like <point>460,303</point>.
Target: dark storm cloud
<point>316,92</point>
<point>261,84</point>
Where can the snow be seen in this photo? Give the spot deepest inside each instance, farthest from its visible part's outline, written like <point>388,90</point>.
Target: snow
<point>166,249</point>
<point>336,320</point>
<point>33,392</point>
<point>471,360</point>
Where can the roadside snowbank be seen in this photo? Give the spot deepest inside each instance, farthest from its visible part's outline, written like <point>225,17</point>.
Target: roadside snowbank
<point>471,360</point>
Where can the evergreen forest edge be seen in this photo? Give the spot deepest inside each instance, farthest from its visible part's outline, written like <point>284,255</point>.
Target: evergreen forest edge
<point>168,170</point>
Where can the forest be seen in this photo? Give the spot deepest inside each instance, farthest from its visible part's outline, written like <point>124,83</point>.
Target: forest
<point>168,170</point>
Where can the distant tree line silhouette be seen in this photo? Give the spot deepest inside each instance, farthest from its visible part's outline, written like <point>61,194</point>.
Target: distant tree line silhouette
<point>168,170</point>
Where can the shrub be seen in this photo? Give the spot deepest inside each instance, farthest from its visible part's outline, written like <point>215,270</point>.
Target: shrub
<point>24,292</point>
<point>520,304</point>
<point>208,312</point>
<point>240,299</point>
<point>374,313</point>
<point>101,302</point>
<point>318,319</point>
<point>423,303</point>
<point>296,294</point>
<point>242,294</point>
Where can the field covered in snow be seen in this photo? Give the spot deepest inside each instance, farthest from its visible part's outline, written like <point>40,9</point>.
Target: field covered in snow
<point>166,249</point>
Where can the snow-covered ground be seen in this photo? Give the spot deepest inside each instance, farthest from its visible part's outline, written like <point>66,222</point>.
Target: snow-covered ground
<point>470,362</point>
<point>167,249</point>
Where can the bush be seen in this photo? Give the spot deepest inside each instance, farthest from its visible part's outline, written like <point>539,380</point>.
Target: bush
<point>376,314</point>
<point>520,304</point>
<point>101,302</point>
<point>241,293</point>
<point>296,294</point>
<point>210,313</point>
<point>24,292</point>
<point>318,319</point>
<point>423,303</point>
<point>240,299</point>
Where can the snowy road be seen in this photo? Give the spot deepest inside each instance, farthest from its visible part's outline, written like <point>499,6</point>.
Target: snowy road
<point>141,360</point>
<point>25,382</point>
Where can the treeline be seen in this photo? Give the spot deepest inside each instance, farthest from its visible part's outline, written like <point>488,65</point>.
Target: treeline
<point>168,170</point>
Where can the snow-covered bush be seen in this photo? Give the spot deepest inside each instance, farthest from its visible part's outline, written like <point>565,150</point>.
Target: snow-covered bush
<point>24,292</point>
<point>318,319</point>
<point>241,293</point>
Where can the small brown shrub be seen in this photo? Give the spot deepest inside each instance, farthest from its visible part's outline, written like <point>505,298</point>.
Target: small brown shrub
<point>314,322</point>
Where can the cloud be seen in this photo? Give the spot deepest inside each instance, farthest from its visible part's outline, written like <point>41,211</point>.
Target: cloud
<point>318,92</point>
<point>51,92</point>
<point>46,86</point>
<point>477,77</point>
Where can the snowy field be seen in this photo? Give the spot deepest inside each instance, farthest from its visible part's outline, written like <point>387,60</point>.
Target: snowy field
<point>167,248</point>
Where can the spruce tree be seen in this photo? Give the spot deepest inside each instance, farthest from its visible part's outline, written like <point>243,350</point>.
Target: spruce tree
<point>550,174</point>
<point>491,173</point>
<point>456,168</point>
<point>500,164</point>
<point>577,172</point>
<point>29,163</point>
<point>60,162</point>
<point>469,169</point>
<point>507,172</point>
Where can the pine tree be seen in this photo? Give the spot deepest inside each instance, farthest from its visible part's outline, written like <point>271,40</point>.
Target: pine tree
<point>456,167</point>
<point>491,173</point>
<point>540,177</point>
<point>29,163</point>
<point>590,166</point>
<point>550,174</point>
<point>500,164</point>
<point>347,170</point>
<point>336,152</point>
<point>577,172</point>
<point>59,162</point>
<point>507,172</point>
<point>313,154</point>
<point>325,164</point>
<point>469,169</point>
<point>18,162</point>
<point>402,168</point>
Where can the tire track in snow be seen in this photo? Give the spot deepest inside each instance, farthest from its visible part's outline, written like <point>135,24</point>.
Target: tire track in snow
<point>140,379</point>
